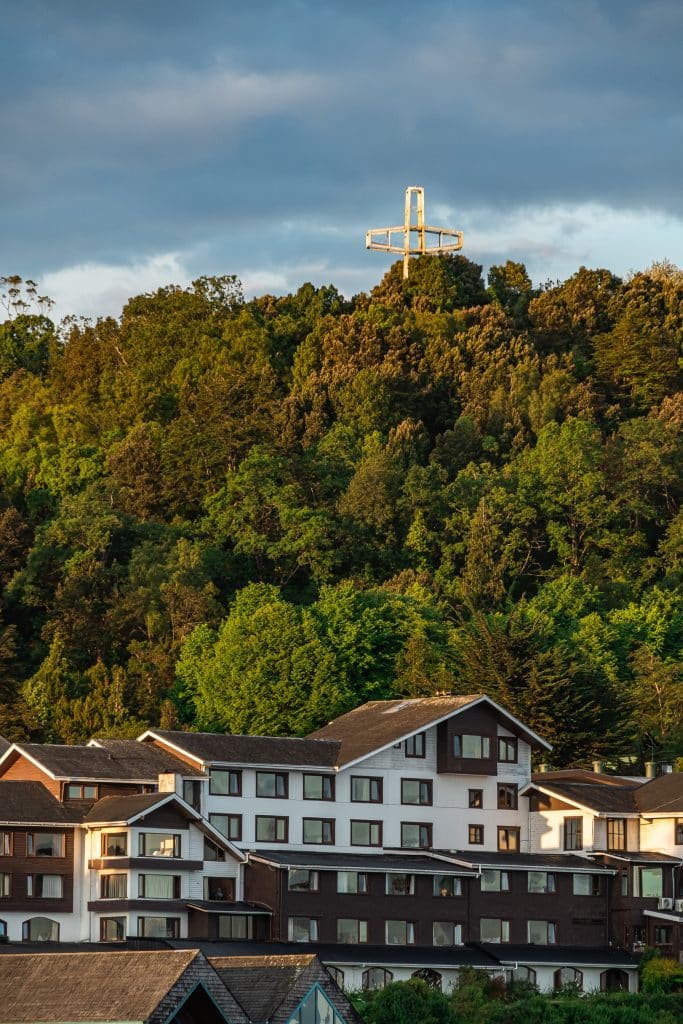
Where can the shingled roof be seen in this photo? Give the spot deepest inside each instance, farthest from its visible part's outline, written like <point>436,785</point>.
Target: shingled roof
<point>111,760</point>
<point>31,803</point>
<point>593,795</point>
<point>261,984</point>
<point>224,748</point>
<point>662,795</point>
<point>122,808</point>
<point>4,745</point>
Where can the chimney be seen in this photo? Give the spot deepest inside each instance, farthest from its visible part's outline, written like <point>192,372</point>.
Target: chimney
<point>543,767</point>
<point>650,770</point>
<point>598,767</point>
<point>169,782</point>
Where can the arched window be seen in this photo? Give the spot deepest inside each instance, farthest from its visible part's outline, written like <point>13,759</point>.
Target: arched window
<point>337,975</point>
<point>568,976</point>
<point>432,977</point>
<point>525,975</point>
<point>376,977</point>
<point>40,929</point>
<point>3,930</point>
<point>614,980</point>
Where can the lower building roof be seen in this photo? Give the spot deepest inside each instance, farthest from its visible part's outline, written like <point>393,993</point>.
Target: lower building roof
<point>360,955</point>
<point>261,984</point>
<point>526,861</point>
<point>639,856</point>
<point>559,956</point>
<point>30,803</point>
<point>389,861</point>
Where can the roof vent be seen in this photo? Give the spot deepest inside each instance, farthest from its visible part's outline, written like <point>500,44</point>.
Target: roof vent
<point>398,707</point>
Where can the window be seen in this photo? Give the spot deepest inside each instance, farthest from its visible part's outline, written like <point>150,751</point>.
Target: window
<point>192,793</point>
<point>365,790</point>
<point>220,890</point>
<point>352,882</point>
<point>6,844</point>
<point>447,885</point>
<point>648,882</point>
<point>5,885</point>
<point>624,883</point>
<point>40,929</point>
<point>568,977</point>
<point>316,1008</point>
<point>542,881</point>
<point>586,885</point>
<point>349,929</point>
<point>476,798</point>
<point>416,836</point>
<point>507,749</point>
<point>662,935</point>
<point>318,830</point>
<point>45,844</point>
<point>3,929</point>
<point>302,880</point>
<point>493,880</point>
<point>45,887</point>
<point>112,929</point>
<point>416,791</point>
<point>400,933</point>
<point>508,839</point>
<point>573,833</point>
<point>366,833</point>
<point>475,747</point>
<point>159,927</point>
<point>156,845</point>
<point>415,745</point>
<point>446,933</point>
<point>507,797</point>
<point>212,851</point>
<point>159,887</point>
<point>225,782</point>
<point>678,832</point>
<point>302,929</point>
<point>75,791</point>
<point>271,830</point>
<point>229,825</point>
<point>616,833</point>
<point>318,787</point>
<point>400,885</point>
<point>337,975</point>
<point>540,933</point>
<point>376,977</point>
<point>527,975</point>
<point>493,929</point>
<point>235,926</point>
<point>475,835</point>
<point>114,844</point>
<point>272,784</point>
<point>114,887</point>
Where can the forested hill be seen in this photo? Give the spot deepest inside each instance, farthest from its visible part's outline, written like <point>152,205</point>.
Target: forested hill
<point>253,516</point>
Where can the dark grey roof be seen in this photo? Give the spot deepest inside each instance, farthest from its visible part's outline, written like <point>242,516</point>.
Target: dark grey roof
<point>32,803</point>
<point>561,956</point>
<point>117,760</point>
<point>594,795</point>
<point>639,857</point>
<point>586,776</point>
<point>4,745</point>
<point>221,748</point>
<point>523,861</point>
<point>420,956</point>
<point>261,984</point>
<point>662,795</point>
<point>397,862</point>
<point>123,808</point>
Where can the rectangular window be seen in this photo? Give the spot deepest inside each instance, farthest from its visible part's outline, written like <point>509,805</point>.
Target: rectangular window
<point>154,844</point>
<point>573,833</point>
<point>493,880</point>
<point>6,844</point>
<point>351,930</point>
<point>366,833</point>
<point>114,844</point>
<point>45,844</point>
<point>475,835</point>
<point>365,790</point>
<point>352,882</point>
<point>616,833</point>
<point>274,785</point>
<point>400,933</point>
<point>229,825</point>
<point>271,830</point>
<point>400,885</point>
<point>301,880</point>
<point>586,885</point>
<point>192,793</point>
<point>302,929</point>
<point>235,926</point>
<point>415,745</point>
<point>225,782</point>
<point>494,929</point>
<point>446,933</point>
<point>542,882</point>
<point>624,883</point>
<point>5,885</point>
<point>648,883</point>
<point>112,929</point>
<point>159,887</point>
<point>45,887</point>
<point>507,749</point>
<point>318,830</point>
<point>678,832</point>
<point>663,935</point>
<point>114,887</point>
<point>318,787</point>
<point>507,797</point>
<point>220,890</point>
<point>416,836</point>
<point>540,933</point>
<point>447,885</point>
<point>508,839</point>
<point>416,791</point>
<point>159,927</point>
<point>477,748</point>
<point>475,798</point>
<point>76,791</point>
<point>212,851</point>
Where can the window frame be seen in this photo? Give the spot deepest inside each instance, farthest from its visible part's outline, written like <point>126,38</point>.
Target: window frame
<point>105,882</point>
<point>550,932</point>
<point>313,929</point>
<point>6,843</point>
<point>425,835</point>
<point>362,889</point>
<point>456,928</point>
<point>258,818</point>
<point>475,799</point>
<point>474,831</point>
<point>594,883</point>
<point>142,885</point>
<point>362,926</point>
<point>484,745</point>
<point>233,834</point>
<point>325,823</point>
<point>277,776</point>
<point>378,824</point>
<point>313,878</point>
<point>5,885</point>
<point>550,888</point>
<point>409,929</point>
<point>559,982</point>
<point>399,874</point>
<point>572,832</point>
<point>177,845</point>
<point>507,790</point>
<point>105,838</point>
<point>31,845</point>
<point>325,778</point>
<point>457,885</point>
<point>504,833</point>
<point>26,928</point>
<point>120,921</point>
<point>370,779</point>
<point>416,745</point>
<point>616,834</point>
<point>427,783</point>
<point>175,929</point>
<point>503,880</point>
<point>503,930</point>
<point>231,773</point>
<point>81,787</point>
<point>508,750</point>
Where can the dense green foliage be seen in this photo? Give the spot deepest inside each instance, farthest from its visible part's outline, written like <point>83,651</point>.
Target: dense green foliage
<point>255,515</point>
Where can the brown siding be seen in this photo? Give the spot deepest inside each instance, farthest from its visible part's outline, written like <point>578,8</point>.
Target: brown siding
<point>20,864</point>
<point>176,753</point>
<point>23,770</point>
<point>479,721</point>
<point>543,802</point>
<point>166,817</point>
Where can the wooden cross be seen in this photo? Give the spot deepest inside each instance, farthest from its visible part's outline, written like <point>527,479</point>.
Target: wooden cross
<point>414,231</point>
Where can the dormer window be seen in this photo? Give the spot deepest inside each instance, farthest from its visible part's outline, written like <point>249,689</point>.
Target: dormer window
<point>477,748</point>
<point>78,791</point>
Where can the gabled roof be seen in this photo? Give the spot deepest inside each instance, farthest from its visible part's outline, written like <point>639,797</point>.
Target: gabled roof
<point>261,984</point>
<point>381,723</point>
<point>4,745</point>
<point>561,956</point>
<point>593,796</point>
<point>584,775</point>
<point>662,795</point>
<point>222,748</point>
<point>30,803</point>
<point>109,760</point>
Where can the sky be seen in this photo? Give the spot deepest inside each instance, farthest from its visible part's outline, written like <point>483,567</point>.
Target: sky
<point>148,142</point>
